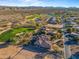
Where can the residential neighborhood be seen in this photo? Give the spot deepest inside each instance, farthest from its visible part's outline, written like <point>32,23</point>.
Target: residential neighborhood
<point>36,32</point>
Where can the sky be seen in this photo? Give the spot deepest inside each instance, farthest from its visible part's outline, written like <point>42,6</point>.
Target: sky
<point>44,3</point>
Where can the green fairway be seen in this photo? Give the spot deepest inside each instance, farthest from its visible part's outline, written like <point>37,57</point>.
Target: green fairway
<point>11,33</point>
<point>34,16</point>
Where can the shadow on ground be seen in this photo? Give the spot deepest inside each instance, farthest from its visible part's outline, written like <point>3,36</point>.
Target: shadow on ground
<point>74,56</point>
<point>33,48</point>
<point>52,54</point>
<point>5,44</point>
<point>71,42</point>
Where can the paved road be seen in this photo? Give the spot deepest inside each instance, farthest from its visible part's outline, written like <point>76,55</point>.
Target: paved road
<point>67,51</point>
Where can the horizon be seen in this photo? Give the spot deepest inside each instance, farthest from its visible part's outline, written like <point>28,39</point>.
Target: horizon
<point>40,3</point>
<point>37,6</point>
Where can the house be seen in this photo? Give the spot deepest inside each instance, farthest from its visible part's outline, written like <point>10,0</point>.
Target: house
<point>52,20</point>
<point>38,20</point>
<point>41,41</point>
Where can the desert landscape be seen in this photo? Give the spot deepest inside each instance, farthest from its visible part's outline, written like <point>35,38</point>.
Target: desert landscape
<point>36,32</point>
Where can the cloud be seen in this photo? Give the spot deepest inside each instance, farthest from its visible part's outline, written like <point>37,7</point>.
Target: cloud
<point>26,2</point>
<point>32,2</point>
<point>40,3</point>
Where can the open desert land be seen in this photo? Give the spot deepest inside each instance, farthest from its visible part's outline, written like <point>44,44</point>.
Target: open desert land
<point>14,52</point>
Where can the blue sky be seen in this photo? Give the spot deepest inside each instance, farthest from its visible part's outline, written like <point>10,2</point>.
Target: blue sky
<point>55,3</point>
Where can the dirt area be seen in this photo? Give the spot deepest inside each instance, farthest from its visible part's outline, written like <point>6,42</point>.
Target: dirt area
<point>8,17</point>
<point>15,52</point>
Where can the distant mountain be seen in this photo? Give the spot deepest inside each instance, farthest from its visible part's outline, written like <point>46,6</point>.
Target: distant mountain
<point>35,7</point>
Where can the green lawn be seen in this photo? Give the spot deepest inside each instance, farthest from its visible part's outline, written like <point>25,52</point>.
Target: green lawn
<point>11,33</point>
<point>32,17</point>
